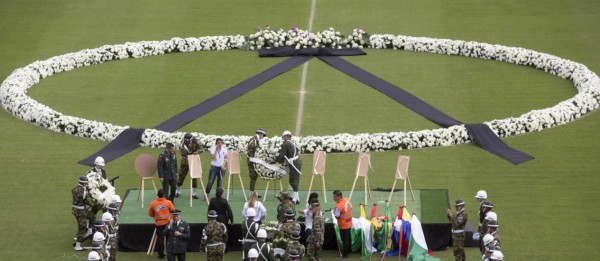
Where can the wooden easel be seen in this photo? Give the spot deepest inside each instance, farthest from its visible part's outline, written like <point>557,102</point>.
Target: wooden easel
<point>402,173</point>
<point>362,170</point>
<point>196,173</point>
<point>319,157</point>
<point>145,166</point>
<point>267,189</point>
<point>233,165</point>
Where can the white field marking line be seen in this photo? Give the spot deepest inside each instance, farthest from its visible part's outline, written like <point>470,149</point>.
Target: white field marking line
<point>300,112</point>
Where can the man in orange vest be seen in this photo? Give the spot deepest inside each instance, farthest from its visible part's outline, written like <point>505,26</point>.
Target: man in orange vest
<point>160,209</point>
<point>343,214</point>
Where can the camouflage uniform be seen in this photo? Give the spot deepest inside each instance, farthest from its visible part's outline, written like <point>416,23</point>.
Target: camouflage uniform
<point>316,238</point>
<point>79,212</point>
<point>294,245</point>
<point>214,238</point>
<point>253,143</point>
<point>193,148</point>
<point>482,231</point>
<point>111,242</point>
<point>288,227</point>
<point>292,152</point>
<point>282,207</point>
<point>459,220</point>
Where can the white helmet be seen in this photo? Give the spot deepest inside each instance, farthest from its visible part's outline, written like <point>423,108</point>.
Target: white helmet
<point>287,132</point>
<point>253,253</point>
<point>98,237</point>
<point>250,212</point>
<point>497,255</point>
<point>115,198</point>
<point>99,161</point>
<point>487,239</point>
<point>261,233</point>
<point>481,194</point>
<point>107,217</point>
<point>491,216</point>
<point>93,255</point>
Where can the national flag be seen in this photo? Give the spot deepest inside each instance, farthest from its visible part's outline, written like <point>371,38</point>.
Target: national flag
<point>417,248</point>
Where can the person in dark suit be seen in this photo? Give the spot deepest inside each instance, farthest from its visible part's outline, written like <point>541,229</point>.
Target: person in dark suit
<point>177,234</point>
<point>222,207</point>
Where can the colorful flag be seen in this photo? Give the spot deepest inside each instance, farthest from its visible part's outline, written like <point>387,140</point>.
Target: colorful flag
<point>417,248</point>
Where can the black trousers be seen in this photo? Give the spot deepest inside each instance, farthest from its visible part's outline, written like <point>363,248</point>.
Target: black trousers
<point>347,241</point>
<point>160,240</point>
<point>172,256</point>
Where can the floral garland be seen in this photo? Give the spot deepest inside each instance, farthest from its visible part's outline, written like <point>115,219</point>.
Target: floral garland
<point>13,91</point>
<point>99,189</point>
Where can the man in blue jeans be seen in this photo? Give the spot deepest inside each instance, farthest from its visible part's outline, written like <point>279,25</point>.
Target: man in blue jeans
<point>217,165</point>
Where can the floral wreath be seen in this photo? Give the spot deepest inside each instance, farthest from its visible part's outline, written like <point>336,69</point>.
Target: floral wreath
<point>14,99</point>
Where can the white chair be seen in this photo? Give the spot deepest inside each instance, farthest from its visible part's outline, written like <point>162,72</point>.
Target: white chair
<point>145,166</point>
<point>362,170</point>
<point>233,166</point>
<point>402,173</point>
<point>196,173</point>
<point>319,158</point>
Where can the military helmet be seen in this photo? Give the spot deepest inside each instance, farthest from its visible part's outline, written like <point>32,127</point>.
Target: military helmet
<point>487,239</point>
<point>261,233</point>
<point>493,223</point>
<point>261,131</point>
<point>83,180</point>
<point>212,214</point>
<point>96,245</point>
<point>250,212</point>
<point>294,253</point>
<point>99,161</point>
<point>98,237</point>
<point>289,212</point>
<point>286,133</point>
<point>491,216</point>
<point>115,198</point>
<point>488,204</point>
<point>93,256</point>
<point>98,223</point>
<point>187,136</point>
<point>459,202</point>
<point>497,255</point>
<point>106,217</point>
<point>253,253</point>
<point>481,194</point>
<point>295,234</point>
<point>112,206</point>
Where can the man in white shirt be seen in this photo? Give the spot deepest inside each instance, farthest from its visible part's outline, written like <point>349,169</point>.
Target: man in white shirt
<point>217,165</point>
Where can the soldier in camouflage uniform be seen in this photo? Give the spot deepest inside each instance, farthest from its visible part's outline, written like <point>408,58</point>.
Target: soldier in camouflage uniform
<point>293,244</point>
<point>214,238</point>
<point>189,146</point>
<point>459,220</point>
<point>79,194</point>
<point>254,143</point>
<point>294,255</point>
<point>290,225</point>
<point>316,238</point>
<point>290,154</point>
<point>493,230</point>
<point>483,228</point>
<point>284,204</point>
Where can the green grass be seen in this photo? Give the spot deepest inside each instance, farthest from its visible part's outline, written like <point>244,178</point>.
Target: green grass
<point>546,207</point>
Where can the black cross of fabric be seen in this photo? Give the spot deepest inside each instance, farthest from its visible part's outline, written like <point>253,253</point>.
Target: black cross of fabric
<point>130,138</point>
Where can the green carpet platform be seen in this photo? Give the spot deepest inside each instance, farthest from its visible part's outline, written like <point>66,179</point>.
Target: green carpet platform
<point>136,227</point>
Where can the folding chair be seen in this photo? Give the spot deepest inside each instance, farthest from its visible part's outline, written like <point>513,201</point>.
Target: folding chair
<point>196,173</point>
<point>145,166</point>
<point>362,170</point>
<point>402,173</point>
<point>233,165</point>
<point>319,157</point>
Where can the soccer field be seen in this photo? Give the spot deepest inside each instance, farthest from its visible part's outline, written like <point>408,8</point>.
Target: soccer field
<point>546,207</point>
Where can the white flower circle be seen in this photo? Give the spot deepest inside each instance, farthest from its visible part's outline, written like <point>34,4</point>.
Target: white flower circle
<point>14,99</point>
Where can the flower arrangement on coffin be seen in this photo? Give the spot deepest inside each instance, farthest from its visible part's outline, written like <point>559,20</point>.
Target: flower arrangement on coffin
<point>275,234</point>
<point>99,189</point>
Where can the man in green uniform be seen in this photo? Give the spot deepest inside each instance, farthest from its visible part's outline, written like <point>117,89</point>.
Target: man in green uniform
<point>253,144</point>
<point>293,244</point>
<point>79,212</point>
<point>284,204</point>
<point>214,238</point>
<point>290,225</point>
<point>167,170</point>
<point>317,236</point>
<point>483,228</point>
<point>189,146</point>
<point>459,220</point>
<point>290,154</point>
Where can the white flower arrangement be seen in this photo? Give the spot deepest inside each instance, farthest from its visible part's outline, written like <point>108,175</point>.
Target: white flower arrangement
<point>275,235</point>
<point>99,190</point>
<point>14,99</point>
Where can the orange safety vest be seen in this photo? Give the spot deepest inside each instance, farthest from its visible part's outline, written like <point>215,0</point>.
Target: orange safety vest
<point>345,218</point>
<point>160,209</point>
